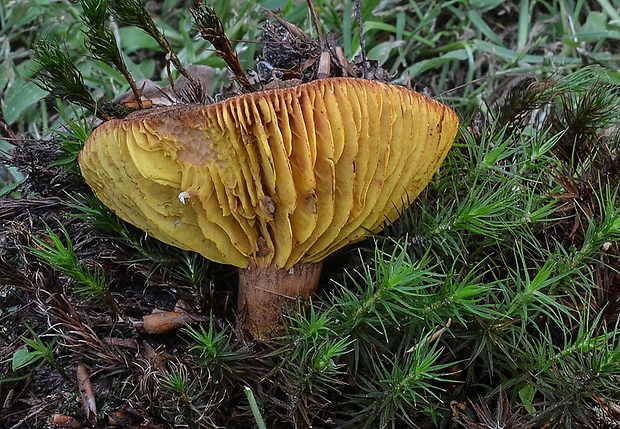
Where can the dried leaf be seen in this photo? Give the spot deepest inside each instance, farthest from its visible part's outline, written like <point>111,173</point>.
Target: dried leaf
<point>65,422</point>
<point>86,392</point>
<point>166,321</point>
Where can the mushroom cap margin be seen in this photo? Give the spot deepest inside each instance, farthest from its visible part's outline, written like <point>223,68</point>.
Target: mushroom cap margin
<point>273,177</point>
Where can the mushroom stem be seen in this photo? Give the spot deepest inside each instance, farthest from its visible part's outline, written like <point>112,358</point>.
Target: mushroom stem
<point>264,291</point>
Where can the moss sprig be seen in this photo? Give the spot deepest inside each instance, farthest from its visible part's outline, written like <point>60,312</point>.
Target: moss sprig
<point>211,29</point>
<point>91,282</point>
<point>133,13</point>
<point>102,42</point>
<point>61,78</point>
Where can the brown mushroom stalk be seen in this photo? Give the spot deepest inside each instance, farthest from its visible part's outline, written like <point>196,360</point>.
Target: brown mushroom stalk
<point>265,291</point>
<point>271,181</point>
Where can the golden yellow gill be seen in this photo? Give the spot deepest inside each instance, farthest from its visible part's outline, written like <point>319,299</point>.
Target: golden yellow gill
<point>271,178</point>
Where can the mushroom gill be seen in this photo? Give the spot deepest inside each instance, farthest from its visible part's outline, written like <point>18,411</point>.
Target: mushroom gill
<point>273,181</point>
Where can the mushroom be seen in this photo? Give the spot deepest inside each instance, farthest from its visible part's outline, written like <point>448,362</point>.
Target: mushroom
<point>272,181</point>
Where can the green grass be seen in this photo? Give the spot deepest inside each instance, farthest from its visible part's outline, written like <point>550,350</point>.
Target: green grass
<point>466,45</point>
<point>491,299</point>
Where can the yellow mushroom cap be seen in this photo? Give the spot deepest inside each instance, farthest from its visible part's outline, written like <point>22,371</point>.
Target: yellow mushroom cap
<point>271,178</point>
